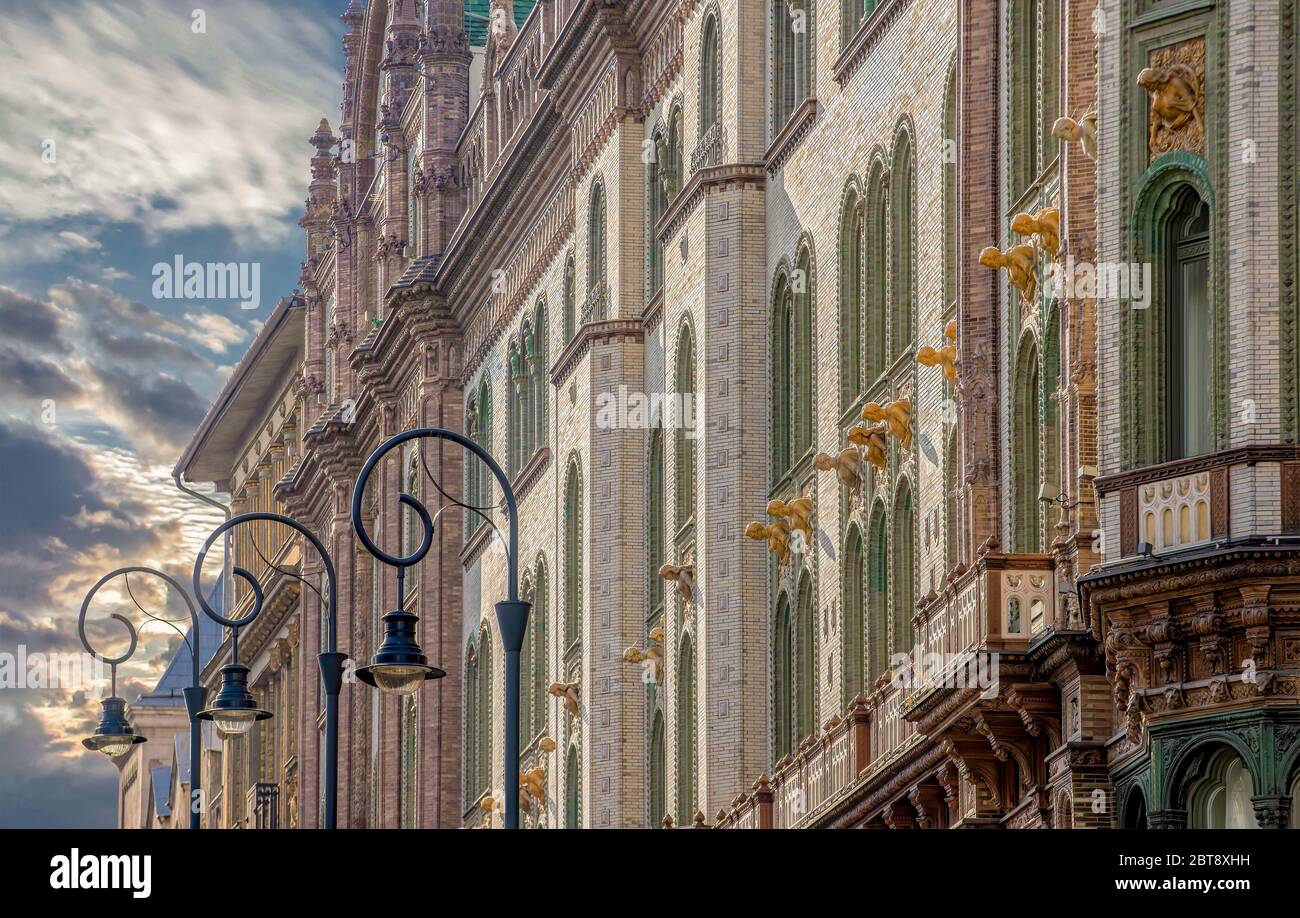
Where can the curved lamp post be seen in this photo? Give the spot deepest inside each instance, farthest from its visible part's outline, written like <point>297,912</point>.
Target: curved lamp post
<point>399,666</point>
<point>234,710</point>
<point>113,735</point>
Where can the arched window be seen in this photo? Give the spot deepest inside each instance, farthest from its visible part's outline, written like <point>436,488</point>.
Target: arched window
<point>596,275</point>
<point>950,190</point>
<point>655,519</point>
<point>528,394</point>
<point>1025,82</point>
<point>570,300</point>
<point>852,623</point>
<point>904,573</point>
<point>572,790</point>
<point>573,556</point>
<point>473,467</point>
<point>806,661</point>
<point>1189,393</point>
<point>686,734</point>
<point>782,371</point>
<point>877,593</point>
<point>791,26</point>
<point>875,352</point>
<point>483,498</point>
<point>656,206</point>
<point>1135,810</point>
<point>514,411</point>
<point>851,257</point>
<point>1221,799</point>
<point>473,706</point>
<point>709,76</point>
<point>412,525</point>
<point>536,646</point>
<point>675,141</point>
<point>484,749</point>
<point>330,305</point>
<point>412,201</point>
<point>902,248</point>
<point>1027,452</point>
<point>541,376</point>
<point>657,771</point>
<point>950,520</point>
<point>409,765</point>
<point>801,340</point>
<point>684,440</point>
<point>783,679</point>
<point>1295,801</point>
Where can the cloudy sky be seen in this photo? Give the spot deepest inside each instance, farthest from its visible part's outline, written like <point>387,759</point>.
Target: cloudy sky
<point>129,137</point>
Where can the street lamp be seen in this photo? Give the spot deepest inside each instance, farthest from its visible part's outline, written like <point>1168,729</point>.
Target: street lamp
<point>113,735</point>
<point>235,710</point>
<point>399,666</point>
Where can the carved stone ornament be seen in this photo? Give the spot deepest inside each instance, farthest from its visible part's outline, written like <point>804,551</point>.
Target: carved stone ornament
<point>1175,81</point>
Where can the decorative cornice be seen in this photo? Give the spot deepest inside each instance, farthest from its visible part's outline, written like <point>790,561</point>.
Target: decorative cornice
<point>870,29</point>
<point>589,334</point>
<point>1180,467</point>
<point>700,184</point>
<point>789,137</point>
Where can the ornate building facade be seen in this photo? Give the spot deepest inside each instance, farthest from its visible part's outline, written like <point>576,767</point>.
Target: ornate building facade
<point>844,500</point>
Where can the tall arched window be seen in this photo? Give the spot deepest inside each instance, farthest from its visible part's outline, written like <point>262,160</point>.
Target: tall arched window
<point>801,380</point>
<point>852,12</point>
<point>902,248</point>
<point>851,256</point>
<point>904,573</point>
<point>596,274</point>
<point>473,468</point>
<point>806,662</point>
<point>655,519</point>
<point>330,305</point>
<point>656,207</point>
<point>675,141</point>
<point>570,300</point>
<point>1221,798</point>
<point>684,440</point>
<point>950,190</point>
<point>1027,452</point>
<point>572,790</point>
<point>1189,330</point>
<point>875,352</point>
<point>485,709</point>
<point>409,764</point>
<point>484,479</point>
<point>657,771</point>
<point>1025,82</point>
<point>686,734</point>
<point>527,667</point>
<point>515,420</point>
<point>541,381</point>
<point>472,738</point>
<point>710,74</point>
<point>791,26</point>
<point>412,201</point>
<point>852,623</point>
<point>950,520</point>
<point>782,371</point>
<point>538,626</point>
<point>412,526</point>
<point>573,556</point>
<point>783,679</point>
<point>877,594</point>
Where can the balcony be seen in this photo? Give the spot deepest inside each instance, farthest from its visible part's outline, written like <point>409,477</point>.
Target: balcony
<point>264,803</point>
<point>711,150</point>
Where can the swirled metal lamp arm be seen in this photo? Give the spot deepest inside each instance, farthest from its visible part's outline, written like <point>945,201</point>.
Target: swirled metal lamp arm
<point>331,661</point>
<point>512,614</point>
<point>193,692</point>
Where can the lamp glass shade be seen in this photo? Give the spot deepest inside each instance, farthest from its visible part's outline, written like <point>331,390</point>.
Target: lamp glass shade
<point>116,746</point>
<point>399,680</point>
<point>234,723</point>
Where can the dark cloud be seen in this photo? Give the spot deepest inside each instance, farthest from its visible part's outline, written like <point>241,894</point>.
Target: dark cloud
<point>36,377</point>
<point>23,318</point>
<point>165,408</point>
<point>146,348</point>
<point>39,787</point>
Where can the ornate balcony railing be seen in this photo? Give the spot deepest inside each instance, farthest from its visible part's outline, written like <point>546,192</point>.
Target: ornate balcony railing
<point>711,150</point>
<point>264,804</point>
<point>596,309</point>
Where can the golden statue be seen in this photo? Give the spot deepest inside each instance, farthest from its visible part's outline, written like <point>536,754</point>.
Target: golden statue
<point>847,465</point>
<point>945,357</point>
<point>1019,262</point>
<point>532,784</point>
<point>898,414</point>
<point>568,693</point>
<point>1046,225</point>
<point>777,536</point>
<point>653,652</point>
<point>798,512</point>
<point>1175,99</point>
<point>872,441</point>
<point>1084,131</point>
<point>683,576</point>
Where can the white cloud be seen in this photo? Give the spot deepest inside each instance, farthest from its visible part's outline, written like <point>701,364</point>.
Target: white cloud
<point>78,241</point>
<point>151,123</point>
<point>213,331</point>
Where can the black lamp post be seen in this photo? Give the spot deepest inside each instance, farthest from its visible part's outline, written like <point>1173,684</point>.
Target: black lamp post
<point>399,666</point>
<point>234,710</point>
<point>113,736</point>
